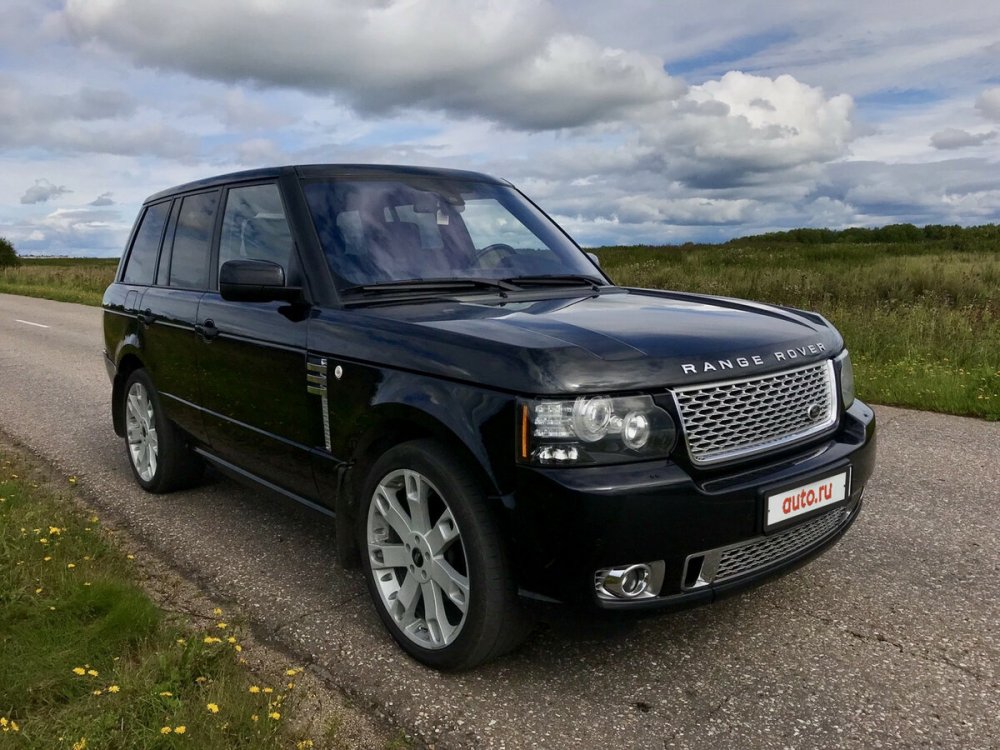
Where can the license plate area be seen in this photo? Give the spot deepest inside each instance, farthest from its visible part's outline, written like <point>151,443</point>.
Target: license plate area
<point>801,501</point>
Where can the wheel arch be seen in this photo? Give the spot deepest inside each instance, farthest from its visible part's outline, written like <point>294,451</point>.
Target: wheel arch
<point>128,364</point>
<point>391,423</point>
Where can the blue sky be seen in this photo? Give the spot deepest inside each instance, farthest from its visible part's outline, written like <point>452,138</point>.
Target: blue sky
<point>648,121</point>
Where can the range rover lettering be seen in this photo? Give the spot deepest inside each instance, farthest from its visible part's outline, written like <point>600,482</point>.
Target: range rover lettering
<point>424,355</point>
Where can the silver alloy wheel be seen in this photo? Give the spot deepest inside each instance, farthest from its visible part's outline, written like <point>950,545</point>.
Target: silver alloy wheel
<point>418,559</point>
<point>140,431</point>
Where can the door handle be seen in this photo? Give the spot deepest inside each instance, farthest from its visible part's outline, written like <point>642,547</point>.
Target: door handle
<point>207,330</point>
<point>146,317</point>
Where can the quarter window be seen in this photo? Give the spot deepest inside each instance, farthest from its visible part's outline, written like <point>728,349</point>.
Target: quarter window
<point>142,260</point>
<point>254,227</point>
<point>192,241</point>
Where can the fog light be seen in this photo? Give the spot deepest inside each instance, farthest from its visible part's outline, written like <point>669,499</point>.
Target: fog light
<point>638,581</point>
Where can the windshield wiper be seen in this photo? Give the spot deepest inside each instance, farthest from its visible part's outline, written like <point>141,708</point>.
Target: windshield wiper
<point>404,286</point>
<point>553,280</point>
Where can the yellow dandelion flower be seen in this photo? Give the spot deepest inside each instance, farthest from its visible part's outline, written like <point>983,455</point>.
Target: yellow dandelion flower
<point>292,672</point>
<point>238,648</point>
<point>217,612</point>
<point>79,670</point>
<point>166,730</point>
<point>254,689</point>
<point>254,717</point>
<point>46,558</point>
<point>93,519</point>
<point>213,708</point>
<point>166,694</point>
<point>274,716</point>
<point>98,692</point>
<point>3,722</point>
<point>291,685</point>
<point>14,727</point>
<point>221,625</point>
<point>130,557</point>
<point>200,680</point>
<point>180,730</point>
<point>92,672</point>
<point>211,639</point>
<point>231,639</point>
<point>54,531</point>
<point>38,591</point>
<point>43,540</point>
<point>181,642</point>
<point>72,480</point>
<point>71,565</point>
<point>81,744</point>
<point>303,744</point>
<point>113,689</point>
<point>268,690</point>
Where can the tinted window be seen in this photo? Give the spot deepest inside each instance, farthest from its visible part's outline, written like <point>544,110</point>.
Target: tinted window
<point>142,260</point>
<point>254,226</point>
<point>163,270</point>
<point>192,241</point>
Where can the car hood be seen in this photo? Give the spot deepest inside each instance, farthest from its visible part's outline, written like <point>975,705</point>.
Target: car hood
<point>615,340</point>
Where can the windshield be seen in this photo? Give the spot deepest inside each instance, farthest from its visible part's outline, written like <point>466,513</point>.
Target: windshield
<point>413,228</point>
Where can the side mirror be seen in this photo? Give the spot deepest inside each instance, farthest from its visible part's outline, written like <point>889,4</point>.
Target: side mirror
<point>593,257</point>
<point>255,281</point>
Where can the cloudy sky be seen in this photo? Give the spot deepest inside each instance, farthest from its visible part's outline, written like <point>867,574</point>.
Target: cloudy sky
<point>649,121</point>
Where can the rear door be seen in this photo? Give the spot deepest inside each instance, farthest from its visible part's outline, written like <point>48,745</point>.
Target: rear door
<point>252,355</point>
<point>169,309</point>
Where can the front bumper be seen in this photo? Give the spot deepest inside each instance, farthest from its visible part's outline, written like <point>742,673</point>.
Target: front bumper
<point>568,523</point>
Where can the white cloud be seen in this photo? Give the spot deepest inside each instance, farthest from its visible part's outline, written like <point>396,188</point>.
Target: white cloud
<point>952,138</point>
<point>104,199</point>
<point>506,61</point>
<point>43,191</point>
<point>988,103</point>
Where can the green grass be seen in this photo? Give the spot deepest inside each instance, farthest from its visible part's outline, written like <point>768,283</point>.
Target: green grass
<point>922,321</point>
<point>88,660</point>
<point>80,280</point>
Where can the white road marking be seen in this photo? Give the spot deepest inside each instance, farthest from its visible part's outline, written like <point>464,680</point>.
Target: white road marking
<point>29,323</point>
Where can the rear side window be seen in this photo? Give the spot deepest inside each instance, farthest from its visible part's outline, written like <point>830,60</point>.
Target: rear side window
<point>193,240</point>
<point>142,260</point>
<point>254,226</point>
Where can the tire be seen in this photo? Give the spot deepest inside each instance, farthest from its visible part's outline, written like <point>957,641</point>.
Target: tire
<point>160,459</point>
<point>446,551</point>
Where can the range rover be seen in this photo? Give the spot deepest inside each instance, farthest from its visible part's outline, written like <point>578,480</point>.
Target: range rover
<point>424,355</point>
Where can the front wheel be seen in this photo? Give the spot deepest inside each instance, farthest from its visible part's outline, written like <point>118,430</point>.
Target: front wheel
<point>434,562</point>
<point>158,455</point>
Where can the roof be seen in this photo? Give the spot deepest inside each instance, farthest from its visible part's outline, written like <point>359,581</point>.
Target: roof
<point>326,170</point>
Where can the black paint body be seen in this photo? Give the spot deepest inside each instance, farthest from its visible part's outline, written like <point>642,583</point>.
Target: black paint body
<point>454,369</point>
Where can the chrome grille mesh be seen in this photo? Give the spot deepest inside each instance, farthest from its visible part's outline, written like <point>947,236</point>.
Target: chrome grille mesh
<point>727,563</point>
<point>739,561</point>
<point>726,420</point>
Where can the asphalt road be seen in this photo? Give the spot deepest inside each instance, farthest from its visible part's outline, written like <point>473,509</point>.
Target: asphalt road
<point>891,639</point>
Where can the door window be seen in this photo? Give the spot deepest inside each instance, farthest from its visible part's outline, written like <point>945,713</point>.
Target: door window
<point>254,227</point>
<point>192,241</point>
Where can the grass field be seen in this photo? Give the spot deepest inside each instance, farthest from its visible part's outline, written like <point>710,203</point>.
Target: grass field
<point>80,280</point>
<point>921,318</point>
<point>89,661</point>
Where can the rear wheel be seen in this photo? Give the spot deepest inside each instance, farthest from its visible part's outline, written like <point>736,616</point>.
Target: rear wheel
<point>434,562</point>
<point>160,459</point>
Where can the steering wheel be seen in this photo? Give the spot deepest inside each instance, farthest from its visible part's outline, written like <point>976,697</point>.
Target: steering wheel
<point>499,249</point>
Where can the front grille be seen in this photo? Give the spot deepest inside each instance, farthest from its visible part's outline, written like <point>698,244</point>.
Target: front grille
<point>736,418</point>
<point>727,563</point>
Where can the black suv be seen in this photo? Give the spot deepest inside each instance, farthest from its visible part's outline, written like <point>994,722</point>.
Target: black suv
<point>426,355</point>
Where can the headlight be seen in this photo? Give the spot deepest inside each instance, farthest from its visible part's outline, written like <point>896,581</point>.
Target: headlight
<point>846,369</point>
<point>594,429</point>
